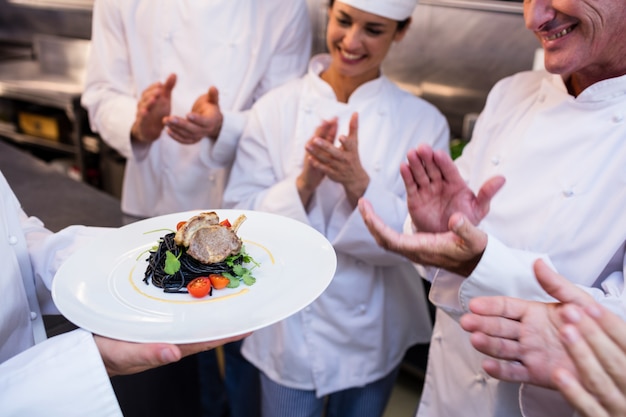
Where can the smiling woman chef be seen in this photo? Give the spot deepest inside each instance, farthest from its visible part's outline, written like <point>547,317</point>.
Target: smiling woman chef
<point>348,344</point>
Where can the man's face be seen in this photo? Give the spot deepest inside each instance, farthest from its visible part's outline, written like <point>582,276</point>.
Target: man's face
<point>583,38</point>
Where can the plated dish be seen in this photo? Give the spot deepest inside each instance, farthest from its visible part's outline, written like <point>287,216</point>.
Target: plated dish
<point>101,288</point>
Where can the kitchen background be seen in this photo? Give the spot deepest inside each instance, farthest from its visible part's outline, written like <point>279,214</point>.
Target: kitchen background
<point>453,54</point>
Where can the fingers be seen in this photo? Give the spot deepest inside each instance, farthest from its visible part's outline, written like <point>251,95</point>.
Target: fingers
<point>610,323</point>
<point>193,348</point>
<point>594,345</point>
<point>383,234</point>
<point>491,326</point>
<point>594,339</point>
<point>417,159</point>
<point>595,389</point>
<point>506,307</point>
<point>512,371</point>
<point>573,391</point>
<point>327,130</point>
<point>124,358</point>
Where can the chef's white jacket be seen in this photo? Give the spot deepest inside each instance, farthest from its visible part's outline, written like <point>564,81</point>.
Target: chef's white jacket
<point>564,160</point>
<point>358,330</point>
<point>63,376</point>
<point>243,47</point>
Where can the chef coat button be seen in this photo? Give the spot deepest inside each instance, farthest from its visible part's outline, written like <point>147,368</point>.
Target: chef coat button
<point>480,378</point>
<point>362,308</point>
<point>437,336</point>
<point>542,98</point>
<point>33,315</point>
<point>618,118</point>
<point>12,240</point>
<point>212,178</point>
<point>495,160</point>
<point>377,167</point>
<point>568,192</point>
<point>381,112</point>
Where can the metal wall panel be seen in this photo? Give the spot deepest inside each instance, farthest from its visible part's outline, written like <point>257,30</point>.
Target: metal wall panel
<point>454,52</point>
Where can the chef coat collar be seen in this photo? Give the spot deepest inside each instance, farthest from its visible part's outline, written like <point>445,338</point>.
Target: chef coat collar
<point>322,61</point>
<point>601,91</point>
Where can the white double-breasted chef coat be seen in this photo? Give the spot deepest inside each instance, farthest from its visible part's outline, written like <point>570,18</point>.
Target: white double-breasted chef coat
<point>243,47</point>
<point>564,160</point>
<point>358,330</point>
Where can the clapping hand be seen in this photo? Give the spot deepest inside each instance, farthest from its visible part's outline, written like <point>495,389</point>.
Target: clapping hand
<point>311,177</point>
<point>154,105</point>
<point>436,190</point>
<point>204,120</point>
<point>341,164</point>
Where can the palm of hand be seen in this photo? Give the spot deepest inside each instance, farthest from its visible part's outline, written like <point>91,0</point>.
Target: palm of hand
<point>150,118</point>
<point>541,350</point>
<point>430,209</point>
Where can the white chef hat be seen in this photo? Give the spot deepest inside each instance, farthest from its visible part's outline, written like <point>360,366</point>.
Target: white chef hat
<point>391,9</point>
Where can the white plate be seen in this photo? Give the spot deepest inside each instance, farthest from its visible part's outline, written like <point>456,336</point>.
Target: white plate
<point>100,288</point>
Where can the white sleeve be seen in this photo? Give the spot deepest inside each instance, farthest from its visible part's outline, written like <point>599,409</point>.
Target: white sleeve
<point>109,88</point>
<point>63,376</point>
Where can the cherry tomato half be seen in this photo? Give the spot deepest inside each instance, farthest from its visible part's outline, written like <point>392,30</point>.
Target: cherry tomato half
<point>180,224</point>
<point>199,287</point>
<point>219,281</point>
<point>225,223</point>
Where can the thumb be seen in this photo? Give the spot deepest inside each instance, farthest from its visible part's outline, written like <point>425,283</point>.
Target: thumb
<point>474,238</point>
<point>353,129</point>
<point>351,141</point>
<point>169,84</point>
<point>214,96</point>
<point>487,191</point>
<point>559,287</point>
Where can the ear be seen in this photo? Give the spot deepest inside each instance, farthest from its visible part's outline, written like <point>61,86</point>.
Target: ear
<point>400,34</point>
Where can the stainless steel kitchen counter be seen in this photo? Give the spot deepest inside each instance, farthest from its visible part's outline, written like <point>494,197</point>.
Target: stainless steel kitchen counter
<point>56,199</point>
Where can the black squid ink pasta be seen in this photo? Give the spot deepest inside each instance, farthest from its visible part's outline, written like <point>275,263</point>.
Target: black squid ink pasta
<point>190,268</point>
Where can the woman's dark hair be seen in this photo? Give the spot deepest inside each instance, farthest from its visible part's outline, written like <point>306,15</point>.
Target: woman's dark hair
<point>401,23</point>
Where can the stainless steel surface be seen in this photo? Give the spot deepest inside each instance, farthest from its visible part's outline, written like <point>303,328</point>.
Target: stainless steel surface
<point>19,22</point>
<point>56,199</point>
<point>56,4</point>
<point>454,52</point>
<point>54,80</point>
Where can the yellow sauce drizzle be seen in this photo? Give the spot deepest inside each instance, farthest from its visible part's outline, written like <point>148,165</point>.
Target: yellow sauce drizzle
<point>198,300</point>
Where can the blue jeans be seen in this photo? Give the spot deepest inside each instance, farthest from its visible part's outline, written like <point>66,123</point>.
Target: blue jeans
<point>238,395</point>
<point>367,401</point>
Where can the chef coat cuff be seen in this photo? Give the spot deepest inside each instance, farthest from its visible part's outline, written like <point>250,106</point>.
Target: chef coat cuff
<point>504,271</point>
<point>222,153</point>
